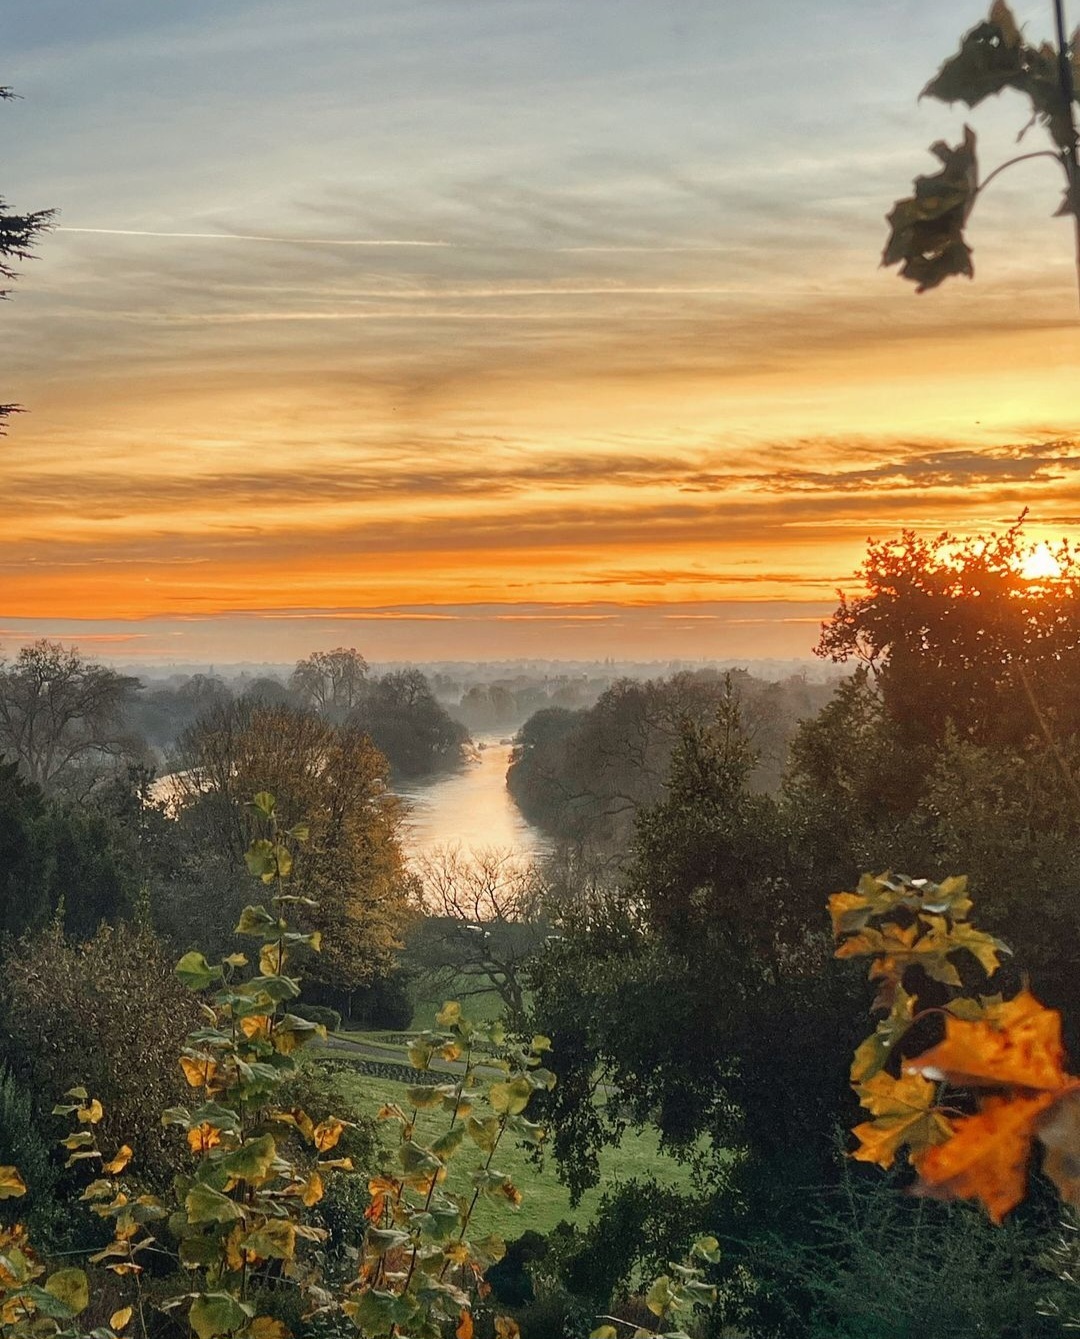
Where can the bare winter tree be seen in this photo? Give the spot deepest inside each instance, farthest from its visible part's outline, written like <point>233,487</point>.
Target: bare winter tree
<point>61,715</point>
<point>333,683</point>
<point>487,914</point>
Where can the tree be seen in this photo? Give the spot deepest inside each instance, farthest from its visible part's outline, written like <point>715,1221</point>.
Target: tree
<point>408,725</point>
<point>927,229</point>
<point>331,778</point>
<point>332,683</point>
<point>18,235</point>
<point>951,629</point>
<point>61,716</point>
<point>486,916</point>
<point>59,859</point>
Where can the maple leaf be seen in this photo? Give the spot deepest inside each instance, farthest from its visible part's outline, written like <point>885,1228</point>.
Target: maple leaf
<point>870,1057</point>
<point>1018,1045</point>
<point>990,59</point>
<point>904,1113</point>
<point>987,1157</point>
<point>927,228</point>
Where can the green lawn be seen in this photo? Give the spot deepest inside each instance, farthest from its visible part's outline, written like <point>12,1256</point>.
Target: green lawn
<point>546,1200</point>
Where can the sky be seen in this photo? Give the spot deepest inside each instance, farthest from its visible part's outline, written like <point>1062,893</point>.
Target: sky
<point>494,328</point>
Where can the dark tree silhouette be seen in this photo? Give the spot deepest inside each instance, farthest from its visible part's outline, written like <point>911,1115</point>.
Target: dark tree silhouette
<point>18,234</point>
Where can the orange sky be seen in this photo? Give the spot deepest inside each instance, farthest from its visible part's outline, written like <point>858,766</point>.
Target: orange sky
<point>517,384</point>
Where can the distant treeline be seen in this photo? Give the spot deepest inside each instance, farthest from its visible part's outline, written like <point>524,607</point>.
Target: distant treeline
<point>398,710</point>
<point>584,775</point>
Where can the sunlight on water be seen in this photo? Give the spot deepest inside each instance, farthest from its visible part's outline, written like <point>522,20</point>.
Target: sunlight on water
<point>471,808</point>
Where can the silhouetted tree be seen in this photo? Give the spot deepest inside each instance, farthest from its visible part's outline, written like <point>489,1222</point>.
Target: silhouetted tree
<point>18,235</point>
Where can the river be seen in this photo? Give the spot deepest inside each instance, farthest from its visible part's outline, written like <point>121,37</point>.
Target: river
<point>470,808</point>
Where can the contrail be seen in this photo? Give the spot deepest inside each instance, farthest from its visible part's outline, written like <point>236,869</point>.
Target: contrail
<point>256,237</point>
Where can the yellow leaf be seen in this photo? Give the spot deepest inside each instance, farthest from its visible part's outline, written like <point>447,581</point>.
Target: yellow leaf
<point>327,1133</point>
<point>92,1114</point>
<point>198,1072</point>
<point>272,959</point>
<point>507,1328</point>
<point>11,1183</point>
<point>904,1113</point>
<point>255,1025</point>
<point>117,1165</point>
<point>120,1318</point>
<point>203,1138</point>
<point>265,1327</point>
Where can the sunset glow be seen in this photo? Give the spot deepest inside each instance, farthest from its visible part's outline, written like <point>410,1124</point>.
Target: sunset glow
<point>459,329</point>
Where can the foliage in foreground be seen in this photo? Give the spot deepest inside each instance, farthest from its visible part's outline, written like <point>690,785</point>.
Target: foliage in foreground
<point>969,1108</point>
<point>238,1219</point>
<point>927,229</point>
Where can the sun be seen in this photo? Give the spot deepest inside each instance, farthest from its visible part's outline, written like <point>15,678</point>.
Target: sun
<point>1040,565</point>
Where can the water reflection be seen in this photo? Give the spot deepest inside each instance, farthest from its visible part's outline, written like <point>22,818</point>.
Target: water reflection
<point>471,808</point>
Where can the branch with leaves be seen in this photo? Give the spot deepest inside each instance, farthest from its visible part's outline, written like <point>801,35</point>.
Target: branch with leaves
<point>970,1108</point>
<point>926,236</point>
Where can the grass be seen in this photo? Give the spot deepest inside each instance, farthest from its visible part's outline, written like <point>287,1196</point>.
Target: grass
<point>546,1201</point>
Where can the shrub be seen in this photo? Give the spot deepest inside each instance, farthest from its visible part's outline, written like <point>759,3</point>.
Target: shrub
<point>321,1014</point>
<point>109,1014</point>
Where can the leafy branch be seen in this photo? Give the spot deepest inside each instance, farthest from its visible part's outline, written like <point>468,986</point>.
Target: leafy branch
<point>926,237</point>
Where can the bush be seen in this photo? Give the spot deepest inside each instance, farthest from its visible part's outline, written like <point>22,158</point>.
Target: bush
<point>318,1013</point>
<point>109,1014</point>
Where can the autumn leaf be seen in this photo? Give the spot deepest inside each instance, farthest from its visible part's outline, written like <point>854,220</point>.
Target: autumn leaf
<point>987,1157</point>
<point>120,1318</point>
<point>117,1165</point>
<point>327,1133</point>
<point>1019,1045</point>
<point>905,1113</point>
<point>204,1137</point>
<point>11,1183</point>
<point>927,238</point>
<point>506,1328</point>
<point>990,59</point>
<point>464,1328</point>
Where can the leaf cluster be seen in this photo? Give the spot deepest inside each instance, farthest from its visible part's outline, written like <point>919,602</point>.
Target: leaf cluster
<point>926,236</point>
<point>968,1109</point>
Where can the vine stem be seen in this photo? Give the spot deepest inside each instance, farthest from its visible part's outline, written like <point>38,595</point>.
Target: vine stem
<point>1072,162</point>
<point>1020,158</point>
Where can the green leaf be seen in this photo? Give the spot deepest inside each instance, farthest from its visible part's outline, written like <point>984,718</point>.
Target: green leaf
<point>511,1098</point>
<point>195,972</point>
<point>206,1205</point>
<point>258,922</point>
<point>212,1314</point>
<point>252,1160</point>
<point>264,802</point>
<point>448,1144</point>
<point>424,1097</point>
<point>71,1287</point>
<point>379,1240</point>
